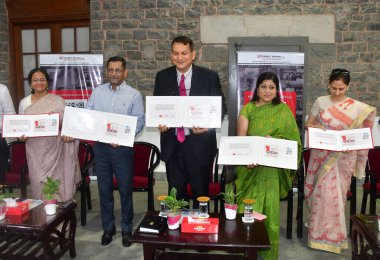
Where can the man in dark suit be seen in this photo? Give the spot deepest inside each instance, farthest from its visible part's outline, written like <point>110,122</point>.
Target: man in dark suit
<point>188,159</point>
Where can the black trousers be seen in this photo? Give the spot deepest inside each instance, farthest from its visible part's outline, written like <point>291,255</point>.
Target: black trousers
<point>4,156</point>
<point>183,168</point>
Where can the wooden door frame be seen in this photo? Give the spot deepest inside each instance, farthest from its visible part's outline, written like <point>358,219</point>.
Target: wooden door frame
<point>39,13</point>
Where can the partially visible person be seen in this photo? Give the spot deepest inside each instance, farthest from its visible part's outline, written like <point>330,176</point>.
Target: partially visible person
<point>6,107</point>
<point>188,153</point>
<point>112,159</point>
<point>49,156</point>
<point>266,116</point>
<point>329,173</point>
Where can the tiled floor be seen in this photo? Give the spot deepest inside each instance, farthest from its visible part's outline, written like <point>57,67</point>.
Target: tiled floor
<point>88,237</point>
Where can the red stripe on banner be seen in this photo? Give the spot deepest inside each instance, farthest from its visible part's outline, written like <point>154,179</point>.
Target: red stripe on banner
<point>72,94</point>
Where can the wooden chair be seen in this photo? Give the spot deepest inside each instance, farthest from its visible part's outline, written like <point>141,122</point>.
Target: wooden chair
<point>215,187</point>
<point>371,183</point>
<point>17,175</point>
<point>146,159</point>
<point>301,173</point>
<point>86,161</point>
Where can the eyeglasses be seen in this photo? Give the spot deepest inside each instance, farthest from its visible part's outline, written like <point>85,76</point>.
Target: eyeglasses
<point>42,80</point>
<point>340,72</point>
<point>117,71</point>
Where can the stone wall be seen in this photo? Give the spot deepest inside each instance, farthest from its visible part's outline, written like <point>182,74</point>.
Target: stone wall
<point>4,45</point>
<point>141,31</point>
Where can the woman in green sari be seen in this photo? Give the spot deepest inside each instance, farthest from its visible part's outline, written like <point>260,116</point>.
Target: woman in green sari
<point>266,116</point>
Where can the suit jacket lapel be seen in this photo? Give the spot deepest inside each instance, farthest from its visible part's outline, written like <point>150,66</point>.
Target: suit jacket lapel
<point>194,81</point>
<point>173,82</point>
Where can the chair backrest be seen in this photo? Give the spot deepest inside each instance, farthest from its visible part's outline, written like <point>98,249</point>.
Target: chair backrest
<point>146,158</point>
<point>85,154</point>
<point>17,157</point>
<point>214,171</point>
<point>306,158</point>
<point>374,161</point>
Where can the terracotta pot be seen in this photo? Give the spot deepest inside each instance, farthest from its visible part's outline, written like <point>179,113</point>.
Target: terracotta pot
<point>230,210</point>
<point>50,206</point>
<point>174,219</point>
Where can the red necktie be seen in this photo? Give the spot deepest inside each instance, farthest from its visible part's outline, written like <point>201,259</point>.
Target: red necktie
<point>182,92</point>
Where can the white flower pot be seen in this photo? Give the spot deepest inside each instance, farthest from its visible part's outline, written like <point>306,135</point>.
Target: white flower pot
<point>50,207</point>
<point>230,210</point>
<point>173,219</point>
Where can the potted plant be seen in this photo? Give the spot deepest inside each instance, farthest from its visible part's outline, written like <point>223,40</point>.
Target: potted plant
<point>230,206</point>
<point>49,189</point>
<point>175,206</point>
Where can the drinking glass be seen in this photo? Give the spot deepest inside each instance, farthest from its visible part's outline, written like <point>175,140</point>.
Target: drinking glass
<point>248,210</point>
<point>203,207</point>
<point>163,206</point>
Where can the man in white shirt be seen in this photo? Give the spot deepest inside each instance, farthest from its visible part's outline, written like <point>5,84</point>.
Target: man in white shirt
<point>6,107</point>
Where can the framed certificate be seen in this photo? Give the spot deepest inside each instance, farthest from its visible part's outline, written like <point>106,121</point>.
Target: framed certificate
<point>99,126</point>
<point>344,140</point>
<point>36,125</point>
<point>245,150</point>
<point>184,111</point>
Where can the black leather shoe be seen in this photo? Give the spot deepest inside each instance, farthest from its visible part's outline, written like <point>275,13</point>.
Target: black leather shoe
<point>126,238</point>
<point>107,236</point>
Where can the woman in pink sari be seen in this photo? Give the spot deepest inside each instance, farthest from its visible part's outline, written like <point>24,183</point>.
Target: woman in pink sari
<point>49,156</point>
<point>329,173</point>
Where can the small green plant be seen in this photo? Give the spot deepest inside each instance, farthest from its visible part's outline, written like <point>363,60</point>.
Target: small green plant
<point>229,195</point>
<point>4,194</point>
<point>50,188</point>
<point>173,203</point>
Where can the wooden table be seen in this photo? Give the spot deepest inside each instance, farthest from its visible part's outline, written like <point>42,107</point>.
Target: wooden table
<point>365,238</point>
<point>234,237</point>
<point>40,236</point>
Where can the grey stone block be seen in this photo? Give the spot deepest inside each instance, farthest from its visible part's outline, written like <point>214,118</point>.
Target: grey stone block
<point>187,24</point>
<point>114,45</point>
<point>117,14</point>
<point>134,55</point>
<point>373,26</point>
<point>152,13</point>
<point>97,45</point>
<point>169,23</point>
<point>139,35</point>
<point>322,52</point>
<point>215,53</point>
<point>129,4</point>
<point>97,35</point>
<point>149,45</point>
<point>146,23</point>
<point>125,34</point>
<point>176,12</point>
<point>130,45</point>
<point>147,65</point>
<point>136,14</point>
<point>111,35</point>
<point>111,25</point>
<point>148,55</point>
<point>109,5</point>
<point>96,24</point>
<point>147,4</point>
<point>361,46</point>
<point>129,24</point>
<point>157,34</point>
